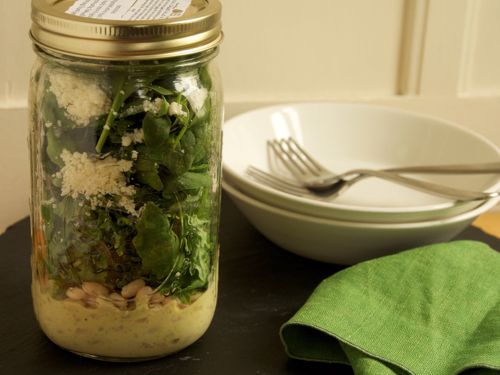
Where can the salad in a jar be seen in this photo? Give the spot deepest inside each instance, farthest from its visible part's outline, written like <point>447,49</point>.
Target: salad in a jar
<point>125,244</point>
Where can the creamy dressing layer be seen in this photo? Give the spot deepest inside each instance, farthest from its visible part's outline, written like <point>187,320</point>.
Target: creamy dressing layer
<point>108,332</point>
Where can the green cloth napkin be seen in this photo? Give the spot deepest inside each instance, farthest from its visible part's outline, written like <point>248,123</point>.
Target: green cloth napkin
<point>431,310</point>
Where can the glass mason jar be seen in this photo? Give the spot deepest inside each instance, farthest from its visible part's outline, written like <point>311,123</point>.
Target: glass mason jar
<point>125,144</point>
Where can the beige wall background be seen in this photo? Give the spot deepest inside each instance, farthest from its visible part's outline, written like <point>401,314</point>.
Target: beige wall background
<point>440,57</point>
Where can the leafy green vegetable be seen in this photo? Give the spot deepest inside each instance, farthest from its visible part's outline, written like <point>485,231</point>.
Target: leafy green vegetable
<point>205,77</point>
<point>180,156</point>
<point>123,87</point>
<point>186,181</point>
<point>198,246</point>
<point>168,238</point>
<point>156,242</point>
<point>147,173</point>
<point>156,134</point>
<point>164,107</point>
<point>122,126</point>
<point>160,90</point>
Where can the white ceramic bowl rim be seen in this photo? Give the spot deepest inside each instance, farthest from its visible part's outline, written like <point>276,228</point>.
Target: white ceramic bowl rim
<point>339,206</point>
<point>358,224</point>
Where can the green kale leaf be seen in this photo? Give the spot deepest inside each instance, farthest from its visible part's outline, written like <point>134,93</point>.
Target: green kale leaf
<point>180,156</point>
<point>198,246</point>
<point>156,243</point>
<point>160,89</point>
<point>156,135</point>
<point>186,181</point>
<point>120,128</point>
<point>147,173</point>
<point>205,79</point>
<point>196,270</point>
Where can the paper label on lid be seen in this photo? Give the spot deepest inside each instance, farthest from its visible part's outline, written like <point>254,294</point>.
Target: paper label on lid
<point>129,10</point>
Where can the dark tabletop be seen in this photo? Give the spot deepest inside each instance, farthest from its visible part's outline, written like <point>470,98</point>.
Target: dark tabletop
<point>261,286</point>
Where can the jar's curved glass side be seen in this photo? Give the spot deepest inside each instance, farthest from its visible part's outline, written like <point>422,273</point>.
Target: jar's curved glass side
<point>212,77</point>
<point>128,202</point>
<point>35,139</point>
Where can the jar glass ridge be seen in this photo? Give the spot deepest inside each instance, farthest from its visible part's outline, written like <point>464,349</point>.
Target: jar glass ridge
<point>125,202</point>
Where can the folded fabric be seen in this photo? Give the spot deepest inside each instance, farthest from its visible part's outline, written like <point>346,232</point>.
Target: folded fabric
<point>432,310</point>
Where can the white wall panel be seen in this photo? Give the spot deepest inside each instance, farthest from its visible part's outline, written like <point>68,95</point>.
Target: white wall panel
<point>16,55</point>
<point>441,67</point>
<point>311,50</point>
<point>481,54</point>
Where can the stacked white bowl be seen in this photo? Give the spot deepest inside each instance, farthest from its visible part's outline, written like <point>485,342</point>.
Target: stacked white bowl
<point>374,217</point>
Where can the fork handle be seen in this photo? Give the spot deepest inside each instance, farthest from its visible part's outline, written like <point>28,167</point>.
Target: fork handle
<point>426,186</point>
<point>480,168</point>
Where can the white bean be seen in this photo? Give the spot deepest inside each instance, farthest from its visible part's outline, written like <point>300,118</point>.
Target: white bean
<point>116,297</point>
<point>131,289</point>
<point>118,300</point>
<point>143,294</point>
<point>157,298</point>
<point>94,289</point>
<point>75,293</point>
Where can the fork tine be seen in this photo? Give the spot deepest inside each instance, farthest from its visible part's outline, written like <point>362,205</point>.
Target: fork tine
<point>289,163</point>
<point>286,185</point>
<point>295,158</point>
<point>305,156</point>
<point>288,153</point>
<point>296,154</point>
<point>280,183</point>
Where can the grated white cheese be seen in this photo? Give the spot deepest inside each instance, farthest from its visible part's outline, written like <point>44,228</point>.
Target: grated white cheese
<point>136,137</point>
<point>82,97</point>
<point>94,179</point>
<point>175,109</point>
<point>152,106</point>
<point>126,140</point>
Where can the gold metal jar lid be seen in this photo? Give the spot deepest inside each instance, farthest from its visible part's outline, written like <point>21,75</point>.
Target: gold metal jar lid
<point>126,29</point>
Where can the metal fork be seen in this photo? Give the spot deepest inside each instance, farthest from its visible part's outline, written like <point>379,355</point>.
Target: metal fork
<point>289,186</point>
<point>319,180</point>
